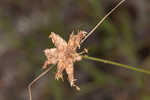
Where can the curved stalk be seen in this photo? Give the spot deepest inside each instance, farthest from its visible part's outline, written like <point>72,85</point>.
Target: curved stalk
<point>36,79</point>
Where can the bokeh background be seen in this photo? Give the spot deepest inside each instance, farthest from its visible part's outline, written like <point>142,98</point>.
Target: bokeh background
<point>124,37</point>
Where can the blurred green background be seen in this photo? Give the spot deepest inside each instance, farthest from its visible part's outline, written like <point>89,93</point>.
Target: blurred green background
<point>124,37</point>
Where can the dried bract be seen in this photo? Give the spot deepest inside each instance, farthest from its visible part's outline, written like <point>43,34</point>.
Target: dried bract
<point>64,55</point>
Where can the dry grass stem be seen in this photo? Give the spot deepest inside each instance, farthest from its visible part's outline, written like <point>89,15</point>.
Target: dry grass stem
<point>36,79</point>
<point>101,21</point>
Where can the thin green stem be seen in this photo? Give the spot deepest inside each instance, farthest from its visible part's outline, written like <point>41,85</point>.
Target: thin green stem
<point>117,64</point>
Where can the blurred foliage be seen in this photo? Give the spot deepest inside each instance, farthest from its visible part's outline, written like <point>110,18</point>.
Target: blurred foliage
<point>123,37</point>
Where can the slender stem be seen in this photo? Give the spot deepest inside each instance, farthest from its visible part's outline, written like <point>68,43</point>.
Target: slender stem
<point>36,79</point>
<point>100,22</point>
<point>117,64</point>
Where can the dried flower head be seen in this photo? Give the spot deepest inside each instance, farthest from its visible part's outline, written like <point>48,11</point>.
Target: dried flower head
<point>64,55</point>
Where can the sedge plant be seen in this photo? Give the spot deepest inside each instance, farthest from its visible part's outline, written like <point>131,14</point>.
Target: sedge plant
<point>65,54</point>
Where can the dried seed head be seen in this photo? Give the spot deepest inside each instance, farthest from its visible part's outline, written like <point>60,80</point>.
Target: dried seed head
<point>65,55</point>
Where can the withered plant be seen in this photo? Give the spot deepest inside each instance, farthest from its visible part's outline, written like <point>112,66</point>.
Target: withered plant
<point>65,54</point>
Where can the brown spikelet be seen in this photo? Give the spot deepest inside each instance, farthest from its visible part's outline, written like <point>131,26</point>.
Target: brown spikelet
<point>64,55</point>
